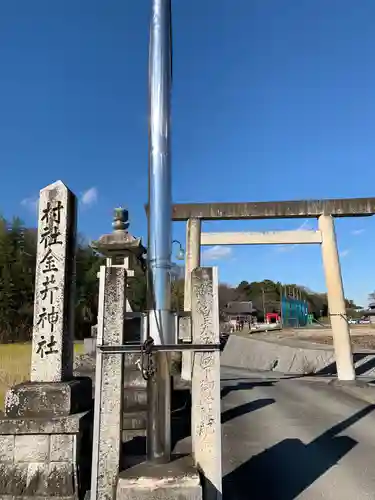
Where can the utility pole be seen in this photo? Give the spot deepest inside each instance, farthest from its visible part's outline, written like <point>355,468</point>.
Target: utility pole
<point>160,231</point>
<point>264,305</point>
<point>281,288</point>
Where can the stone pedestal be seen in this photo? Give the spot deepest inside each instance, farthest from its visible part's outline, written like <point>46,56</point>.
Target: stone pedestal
<point>45,448</point>
<point>48,399</point>
<point>45,458</point>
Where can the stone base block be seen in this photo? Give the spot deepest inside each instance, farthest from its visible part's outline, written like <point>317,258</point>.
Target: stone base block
<point>177,480</point>
<point>38,480</point>
<point>49,399</point>
<point>44,458</point>
<point>59,425</point>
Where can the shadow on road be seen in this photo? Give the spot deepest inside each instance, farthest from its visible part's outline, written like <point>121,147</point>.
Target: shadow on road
<point>243,386</point>
<point>181,414</point>
<point>362,369</point>
<point>240,410</point>
<point>288,468</point>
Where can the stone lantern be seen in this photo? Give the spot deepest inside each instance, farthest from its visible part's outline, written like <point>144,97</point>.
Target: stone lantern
<point>120,247</point>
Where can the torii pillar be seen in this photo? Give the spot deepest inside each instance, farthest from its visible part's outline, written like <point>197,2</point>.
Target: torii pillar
<point>192,261</point>
<point>336,300</point>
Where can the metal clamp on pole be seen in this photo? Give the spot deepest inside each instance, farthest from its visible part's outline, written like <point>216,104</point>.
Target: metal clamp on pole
<point>147,348</point>
<point>122,349</point>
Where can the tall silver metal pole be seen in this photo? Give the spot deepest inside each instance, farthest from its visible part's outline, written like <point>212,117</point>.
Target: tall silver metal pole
<point>160,229</point>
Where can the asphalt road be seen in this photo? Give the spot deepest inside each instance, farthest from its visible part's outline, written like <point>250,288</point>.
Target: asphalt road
<point>295,439</point>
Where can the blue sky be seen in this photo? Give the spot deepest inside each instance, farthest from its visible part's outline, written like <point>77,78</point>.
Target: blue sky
<point>272,100</point>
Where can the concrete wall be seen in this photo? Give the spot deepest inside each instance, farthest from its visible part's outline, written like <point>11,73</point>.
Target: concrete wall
<point>261,355</point>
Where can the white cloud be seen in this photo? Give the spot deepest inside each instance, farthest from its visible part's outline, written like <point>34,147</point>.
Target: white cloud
<point>30,203</point>
<point>89,197</point>
<point>217,252</point>
<point>357,232</point>
<point>344,253</point>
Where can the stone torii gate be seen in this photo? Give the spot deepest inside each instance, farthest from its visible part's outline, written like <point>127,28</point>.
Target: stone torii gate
<point>323,210</point>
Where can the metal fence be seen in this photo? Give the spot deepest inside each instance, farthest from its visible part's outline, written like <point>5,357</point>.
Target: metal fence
<point>294,312</point>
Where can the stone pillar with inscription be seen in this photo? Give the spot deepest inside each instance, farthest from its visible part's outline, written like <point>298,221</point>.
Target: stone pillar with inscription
<point>205,389</point>
<point>45,432</point>
<point>52,352</point>
<point>120,386</point>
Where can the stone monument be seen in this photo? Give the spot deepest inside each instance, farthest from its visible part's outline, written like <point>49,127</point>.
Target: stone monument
<point>45,433</point>
<point>206,412</point>
<point>52,350</point>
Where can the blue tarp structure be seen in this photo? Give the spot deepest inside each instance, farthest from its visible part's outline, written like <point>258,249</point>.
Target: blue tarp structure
<point>294,312</point>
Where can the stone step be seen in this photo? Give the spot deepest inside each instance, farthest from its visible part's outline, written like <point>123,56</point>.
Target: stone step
<point>134,378</point>
<point>134,420</point>
<point>129,434</point>
<point>133,445</point>
<point>133,397</point>
<point>179,479</point>
<point>135,409</point>
<point>131,461</point>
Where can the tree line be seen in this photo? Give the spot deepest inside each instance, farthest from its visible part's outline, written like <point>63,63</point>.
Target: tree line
<point>266,297</point>
<point>17,280</point>
<point>18,247</point>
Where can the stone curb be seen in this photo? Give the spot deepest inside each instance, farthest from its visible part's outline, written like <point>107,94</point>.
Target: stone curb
<point>356,388</point>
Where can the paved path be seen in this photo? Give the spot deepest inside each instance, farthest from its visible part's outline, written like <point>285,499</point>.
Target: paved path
<point>295,439</point>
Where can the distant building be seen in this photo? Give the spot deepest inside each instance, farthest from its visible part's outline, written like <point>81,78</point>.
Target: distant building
<point>241,311</point>
<point>370,312</point>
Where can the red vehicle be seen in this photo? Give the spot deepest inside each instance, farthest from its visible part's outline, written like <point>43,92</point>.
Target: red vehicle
<point>272,318</point>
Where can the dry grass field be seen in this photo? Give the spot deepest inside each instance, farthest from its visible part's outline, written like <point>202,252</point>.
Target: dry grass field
<point>15,361</point>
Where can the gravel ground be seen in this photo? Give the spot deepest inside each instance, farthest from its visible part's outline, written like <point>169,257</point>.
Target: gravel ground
<point>363,341</point>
